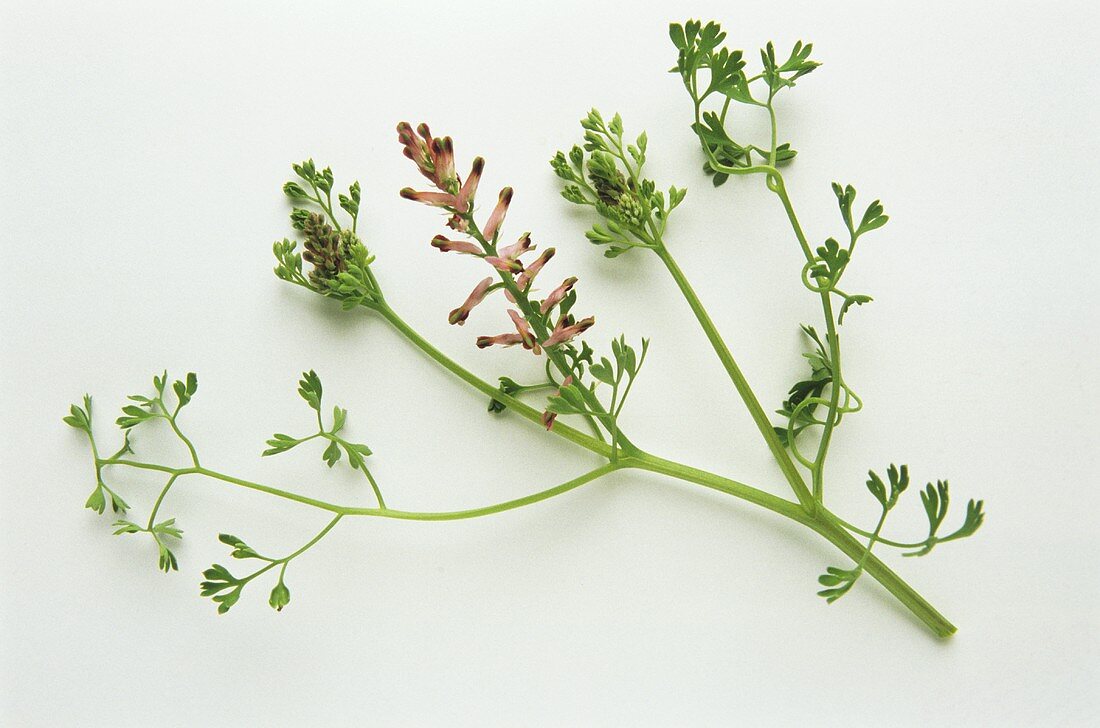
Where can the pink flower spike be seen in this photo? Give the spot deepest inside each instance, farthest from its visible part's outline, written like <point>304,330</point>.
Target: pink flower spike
<point>563,332</point>
<point>525,278</point>
<point>504,265</point>
<point>465,200</point>
<point>524,331</point>
<point>557,295</point>
<point>518,248</point>
<point>484,342</point>
<point>446,245</point>
<point>460,314</point>
<point>435,199</point>
<point>497,216</point>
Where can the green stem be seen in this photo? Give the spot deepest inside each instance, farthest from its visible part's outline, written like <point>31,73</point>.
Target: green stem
<point>374,486</point>
<point>823,522</point>
<point>183,438</point>
<point>418,515</point>
<point>160,499</point>
<point>790,472</point>
<point>323,532</point>
<point>778,186</point>
<point>523,410</point>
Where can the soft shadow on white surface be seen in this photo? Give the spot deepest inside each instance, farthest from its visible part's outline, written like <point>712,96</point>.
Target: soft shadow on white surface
<point>143,149</point>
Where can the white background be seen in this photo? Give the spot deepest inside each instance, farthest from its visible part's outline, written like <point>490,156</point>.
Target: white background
<point>143,147</point>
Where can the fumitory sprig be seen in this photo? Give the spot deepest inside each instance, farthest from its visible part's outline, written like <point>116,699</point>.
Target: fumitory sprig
<point>580,392</point>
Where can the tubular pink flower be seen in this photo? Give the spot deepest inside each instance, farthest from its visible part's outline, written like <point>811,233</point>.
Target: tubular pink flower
<point>497,216</point>
<point>484,342</point>
<point>564,331</point>
<point>445,245</point>
<point>443,159</point>
<point>416,148</point>
<point>518,248</point>
<point>528,275</point>
<point>460,314</point>
<point>504,265</point>
<point>435,199</point>
<point>524,330</point>
<point>458,223</point>
<point>557,295</point>
<point>465,200</point>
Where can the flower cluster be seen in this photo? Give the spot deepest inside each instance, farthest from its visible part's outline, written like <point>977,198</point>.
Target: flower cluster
<point>326,249</point>
<point>539,324</point>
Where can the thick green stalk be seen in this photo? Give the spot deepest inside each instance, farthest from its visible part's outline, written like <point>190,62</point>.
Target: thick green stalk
<point>823,522</point>
<point>790,472</point>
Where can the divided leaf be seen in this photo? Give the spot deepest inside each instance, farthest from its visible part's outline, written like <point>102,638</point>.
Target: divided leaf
<point>222,587</point>
<point>310,388</point>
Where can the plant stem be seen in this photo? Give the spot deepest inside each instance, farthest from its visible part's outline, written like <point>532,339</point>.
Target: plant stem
<point>790,472</point>
<point>418,515</point>
<point>777,185</point>
<point>822,521</point>
<point>522,409</point>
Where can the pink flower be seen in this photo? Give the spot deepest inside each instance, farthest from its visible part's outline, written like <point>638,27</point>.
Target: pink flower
<point>456,246</point>
<point>416,148</point>
<point>524,330</point>
<point>557,295</point>
<point>435,199</point>
<point>460,314</point>
<point>566,330</point>
<point>443,158</point>
<point>497,216</point>
<point>548,417</point>
<point>503,340</point>
<point>459,223</point>
<point>465,200</point>
<point>507,258</point>
<point>518,248</point>
<point>504,265</point>
<point>528,275</point>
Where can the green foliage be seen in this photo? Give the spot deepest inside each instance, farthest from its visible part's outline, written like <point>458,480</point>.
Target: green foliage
<point>606,174</point>
<point>80,417</point>
<point>707,69</point>
<point>838,581</point>
<point>873,217</point>
<point>309,387</point>
<point>936,500</point>
<point>311,390</point>
<point>799,416</point>
<point>241,550</point>
<point>222,587</point>
<point>618,373</point>
<point>289,262</point>
<point>798,64</point>
<point>899,481</point>
<point>166,559</point>
<point>856,299</point>
<point>341,263</point>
